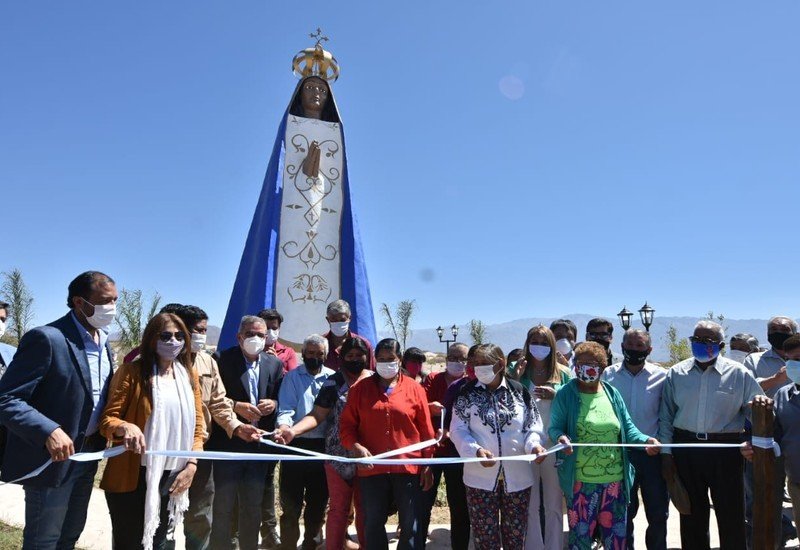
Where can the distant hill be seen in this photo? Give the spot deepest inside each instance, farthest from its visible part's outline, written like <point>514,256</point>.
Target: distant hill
<point>511,334</point>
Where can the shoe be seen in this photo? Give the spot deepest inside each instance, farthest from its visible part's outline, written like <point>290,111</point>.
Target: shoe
<point>350,545</point>
<point>309,544</point>
<point>271,540</point>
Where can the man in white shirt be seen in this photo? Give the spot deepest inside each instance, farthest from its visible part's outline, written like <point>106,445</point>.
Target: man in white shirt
<point>640,383</point>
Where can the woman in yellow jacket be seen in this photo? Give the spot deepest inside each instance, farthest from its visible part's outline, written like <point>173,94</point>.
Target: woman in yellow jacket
<point>154,404</point>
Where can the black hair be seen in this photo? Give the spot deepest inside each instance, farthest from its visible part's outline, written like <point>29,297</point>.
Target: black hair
<point>191,315</point>
<point>391,344</point>
<point>353,343</point>
<point>598,322</point>
<point>564,323</point>
<point>271,314</point>
<point>414,354</point>
<point>4,305</point>
<point>517,354</point>
<point>83,284</point>
<point>791,343</point>
<point>173,308</point>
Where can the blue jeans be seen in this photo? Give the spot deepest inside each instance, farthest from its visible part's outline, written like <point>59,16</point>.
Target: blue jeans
<point>237,483</point>
<point>656,499</point>
<point>55,516</point>
<point>377,493</point>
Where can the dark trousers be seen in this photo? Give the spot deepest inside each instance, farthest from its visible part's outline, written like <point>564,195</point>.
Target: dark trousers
<point>238,485</point>
<point>377,493</point>
<point>456,501</point>
<point>303,482</point>
<point>656,499</point>
<point>55,516</point>
<point>269,519</point>
<point>719,471</point>
<point>197,519</point>
<point>127,516</point>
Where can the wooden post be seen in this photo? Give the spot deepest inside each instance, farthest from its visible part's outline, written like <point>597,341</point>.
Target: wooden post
<point>765,515</point>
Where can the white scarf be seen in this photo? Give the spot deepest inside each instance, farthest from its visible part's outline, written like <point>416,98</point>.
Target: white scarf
<point>155,435</point>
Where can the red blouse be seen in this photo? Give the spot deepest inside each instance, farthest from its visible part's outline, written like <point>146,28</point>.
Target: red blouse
<point>384,421</point>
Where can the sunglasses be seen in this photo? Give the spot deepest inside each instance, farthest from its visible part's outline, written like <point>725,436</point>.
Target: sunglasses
<point>166,336</point>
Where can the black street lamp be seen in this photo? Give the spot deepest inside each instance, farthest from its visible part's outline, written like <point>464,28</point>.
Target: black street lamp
<point>625,318</point>
<point>447,341</point>
<point>647,313</point>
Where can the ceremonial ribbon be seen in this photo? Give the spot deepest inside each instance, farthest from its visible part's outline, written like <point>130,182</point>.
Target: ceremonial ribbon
<point>767,443</point>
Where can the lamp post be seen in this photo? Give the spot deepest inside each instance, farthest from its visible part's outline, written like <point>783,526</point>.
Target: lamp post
<point>447,341</point>
<point>647,313</point>
<point>625,318</point>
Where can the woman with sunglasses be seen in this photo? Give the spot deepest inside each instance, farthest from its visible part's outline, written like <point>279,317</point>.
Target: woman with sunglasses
<point>596,481</point>
<point>154,403</point>
<point>543,376</point>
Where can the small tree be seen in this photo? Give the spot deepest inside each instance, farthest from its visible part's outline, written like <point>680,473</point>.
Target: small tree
<point>131,319</point>
<point>20,302</point>
<point>678,347</point>
<point>477,331</point>
<point>400,322</point>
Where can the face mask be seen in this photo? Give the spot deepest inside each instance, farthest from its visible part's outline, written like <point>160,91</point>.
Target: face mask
<point>705,352</point>
<point>564,347</point>
<point>312,364</point>
<point>340,328</point>
<point>272,336</point>
<point>776,339</point>
<point>354,367</point>
<point>634,357</point>
<point>103,315</point>
<point>737,355</point>
<point>605,343</point>
<point>413,369</point>
<point>539,352</point>
<point>2,328</point>
<point>387,371</point>
<point>253,346</point>
<point>198,341</point>
<point>793,370</point>
<point>587,373</point>
<point>169,350</point>
<point>485,374</point>
<point>456,369</point>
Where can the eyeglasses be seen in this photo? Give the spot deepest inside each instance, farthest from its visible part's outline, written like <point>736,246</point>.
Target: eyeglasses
<point>166,336</point>
<point>599,335</point>
<point>706,341</point>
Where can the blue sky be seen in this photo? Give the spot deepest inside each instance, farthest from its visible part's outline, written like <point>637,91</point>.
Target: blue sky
<point>507,159</point>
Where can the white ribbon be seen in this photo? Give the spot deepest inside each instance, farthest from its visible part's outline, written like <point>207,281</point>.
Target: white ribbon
<point>767,443</point>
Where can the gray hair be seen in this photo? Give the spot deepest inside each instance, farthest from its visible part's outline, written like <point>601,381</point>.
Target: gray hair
<point>315,340</point>
<point>637,332</point>
<point>711,325</point>
<point>338,307</point>
<point>249,320</point>
<point>779,318</point>
<point>750,340</point>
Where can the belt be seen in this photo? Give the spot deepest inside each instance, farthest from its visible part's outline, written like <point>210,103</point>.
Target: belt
<point>686,436</point>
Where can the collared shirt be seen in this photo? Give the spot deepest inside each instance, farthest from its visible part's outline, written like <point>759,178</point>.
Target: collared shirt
<point>710,401</point>
<point>299,390</point>
<point>252,374</point>
<point>334,359</point>
<point>99,369</point>
<point>287,355</point>
<point>765,365</point>
<point>641,393</point>
<point>787,428</point>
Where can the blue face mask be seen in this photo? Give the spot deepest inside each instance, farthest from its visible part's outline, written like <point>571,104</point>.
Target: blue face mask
<point>793,370</point>
<point>705,352</point>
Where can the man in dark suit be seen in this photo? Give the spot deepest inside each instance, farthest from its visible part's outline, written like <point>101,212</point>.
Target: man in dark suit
<point>51,398</point>
<point>252,379</point>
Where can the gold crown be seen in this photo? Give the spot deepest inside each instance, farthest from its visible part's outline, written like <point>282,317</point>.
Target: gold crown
<point>316,61</point>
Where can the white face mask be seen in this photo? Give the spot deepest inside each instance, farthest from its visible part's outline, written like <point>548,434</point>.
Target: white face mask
<point>2,328</point>
<point>340,328</point>
<point>737,355</point>
<point>272,336</point>
<point>169,350</point>
<point>793,370</point>
<point>485,374</point>
<point>539,352</point>
<point>387,371</point>
<point>253,346</point>
<point>564,347</point>
<point>198,341</point>
<point>456,369</point>
<point>103,315</point>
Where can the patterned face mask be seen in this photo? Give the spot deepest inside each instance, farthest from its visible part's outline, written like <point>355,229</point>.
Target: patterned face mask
<point>587,373</point>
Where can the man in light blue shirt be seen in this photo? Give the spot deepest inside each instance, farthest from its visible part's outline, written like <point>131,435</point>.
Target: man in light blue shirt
<point>299,389</point>
<point>7,351</point>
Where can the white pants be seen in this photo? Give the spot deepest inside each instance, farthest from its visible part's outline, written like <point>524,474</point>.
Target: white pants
<point>547,473</point>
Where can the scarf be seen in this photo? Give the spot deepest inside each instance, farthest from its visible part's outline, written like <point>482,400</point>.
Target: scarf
<point>156,434</point>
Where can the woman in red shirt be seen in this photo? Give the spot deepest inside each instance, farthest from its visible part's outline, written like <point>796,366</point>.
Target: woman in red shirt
<point>385,412</point>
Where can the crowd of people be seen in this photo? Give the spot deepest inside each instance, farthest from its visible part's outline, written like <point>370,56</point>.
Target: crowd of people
<point>62,393</point>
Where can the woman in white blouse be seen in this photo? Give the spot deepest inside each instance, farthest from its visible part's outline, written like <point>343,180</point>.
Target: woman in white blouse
<point>494,416</point>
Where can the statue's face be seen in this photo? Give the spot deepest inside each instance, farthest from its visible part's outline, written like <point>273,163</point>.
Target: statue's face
<point>313,96</point>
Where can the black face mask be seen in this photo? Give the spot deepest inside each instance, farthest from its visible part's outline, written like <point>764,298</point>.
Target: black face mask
<point>312,365</point>
<point>776,339</point>
<point>354,367</point>
<point>634,357</point>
